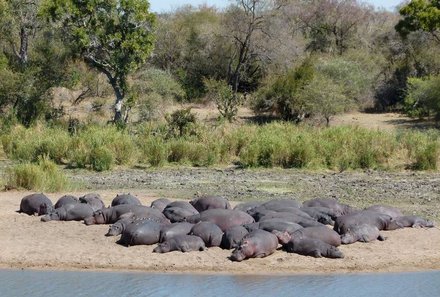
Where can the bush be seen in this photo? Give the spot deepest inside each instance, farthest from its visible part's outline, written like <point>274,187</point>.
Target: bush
<point>423,97</point>
<point>225,98</point>
<point>101,159</point>
<point>43,176</point>
<point>181,122</point>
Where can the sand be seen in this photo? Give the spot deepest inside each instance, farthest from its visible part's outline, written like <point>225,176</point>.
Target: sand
<point>28,243</point>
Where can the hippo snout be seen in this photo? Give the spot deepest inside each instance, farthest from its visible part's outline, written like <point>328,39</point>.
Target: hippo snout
<point>45,218</point>
<point>237,256</point>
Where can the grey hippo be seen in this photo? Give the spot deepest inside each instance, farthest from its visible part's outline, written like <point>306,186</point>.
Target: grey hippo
<point>69,212</point>
<point>257,244</point>
<point>125,199</point>
<point>183,243</point>
<point>36,204</point>
<point>209,232</point>
<point>210,202</point>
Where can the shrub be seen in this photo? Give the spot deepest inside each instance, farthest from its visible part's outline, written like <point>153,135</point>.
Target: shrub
<point>181,122</point>
<point>225,98</point>
<point>43,176</point>
<point>101,159</point>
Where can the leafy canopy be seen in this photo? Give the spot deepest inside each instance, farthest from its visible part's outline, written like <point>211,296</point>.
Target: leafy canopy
<point>114,36</point>
<point>420,15</point>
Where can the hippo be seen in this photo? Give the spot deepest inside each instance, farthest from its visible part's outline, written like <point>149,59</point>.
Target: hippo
<point>312,247</point>
<point>111,215</point>
<point>361,233</point>
<point>224,218</point>
<point>251,227</point>
<point>160,204</point>
<point>257,244</point>
<point>289,217</point>
<point>232,237</point>
<point>323,215</point>
<point>183,243</point>
<point>322,233</point>
<point>69,212</point>
<point>94,200</point>
<point>247,206</point>
<point>120,226</point>
<point>345,223</point>
<point>36,204</point>
<point>210,202</point>
<point>177,214</point>
<point>279,225</point>
<point>125,199</point>
<point>260,211</point>
<point>393,212</point>
<point>65,200</point>
<point>413,221</point>
<point>338,208</point>
<point>280,203</point>
<point>209,232</point>
<point>175,229</point>
<point>182,204</point>
<point>141,232</point>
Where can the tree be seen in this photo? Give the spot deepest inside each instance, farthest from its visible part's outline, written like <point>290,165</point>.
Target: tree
<point>421,15</point>
<point>423,97</point>
<point>323,97</point>
<point>113,36</point>
<point>20,19</point>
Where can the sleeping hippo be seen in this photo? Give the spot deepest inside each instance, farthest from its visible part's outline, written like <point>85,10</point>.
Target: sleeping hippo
<point>94,200</point>
<point>69,212</point>
<point>177,214</point>
<point>338,208</point>
<point>160,204</point>
<point>233,236</point>
<point>169,231</point>
<point>322,233</point>
<point>304,221</point>
<point>323,215</point>
<point>312,247</point>
<point>413,221</point>
<point>209,232</point>
<point>183,243</point>
<point>393,212</point>
<point>224,218</point>
<point>210,202</point>
<point>279,225</point>
<point>361,233</point>
<point>111,215</point>
<point>125,199</point>
<point>182,204</point>
<point>141,232</point>
<point>36,204</point>
<point>257,244</point>
<point>247,206</point>
<point>120,226</point>
<point>65,200</point>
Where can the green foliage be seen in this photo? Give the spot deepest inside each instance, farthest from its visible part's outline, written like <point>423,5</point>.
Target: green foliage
<point>420,15</point>
<point>114,37</point>
<point>42,176</point>
<point>225,98</point>
<point>181,122</point>
<point>280,96</point>
<point>323,97</point>
<point>101,159</point>
<point>423,97</point>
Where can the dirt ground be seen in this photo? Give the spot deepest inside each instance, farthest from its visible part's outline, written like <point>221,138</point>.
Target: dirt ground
<point>29,243</point>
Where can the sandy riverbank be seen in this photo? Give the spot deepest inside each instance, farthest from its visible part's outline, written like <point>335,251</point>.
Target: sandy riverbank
<point>29,243</point>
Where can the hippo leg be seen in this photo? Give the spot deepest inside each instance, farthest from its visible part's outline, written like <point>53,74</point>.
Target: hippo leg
<point>381,238</point>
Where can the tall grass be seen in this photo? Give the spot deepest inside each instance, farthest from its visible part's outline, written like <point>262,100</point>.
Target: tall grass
<point>41,176</point>
<point>277,144</point>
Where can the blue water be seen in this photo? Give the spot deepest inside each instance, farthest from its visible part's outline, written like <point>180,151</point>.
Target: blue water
<point>47,283</point>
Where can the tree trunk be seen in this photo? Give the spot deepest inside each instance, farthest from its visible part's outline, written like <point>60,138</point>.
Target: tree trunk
<point>118,103</point>
<point>24,42</point>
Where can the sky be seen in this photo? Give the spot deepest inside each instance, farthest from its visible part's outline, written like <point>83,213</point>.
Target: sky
<point>167,5</point>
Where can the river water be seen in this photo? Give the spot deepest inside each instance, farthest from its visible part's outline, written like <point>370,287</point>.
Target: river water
<point>15,283</point>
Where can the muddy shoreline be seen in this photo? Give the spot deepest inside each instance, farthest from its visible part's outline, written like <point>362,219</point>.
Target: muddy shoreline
<point>29,243</point>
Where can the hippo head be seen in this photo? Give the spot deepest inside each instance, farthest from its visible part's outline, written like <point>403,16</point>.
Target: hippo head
<point>348,238</point>
<point>96,218</point>
<point>114,229</point>
<point>334,253</point>
<point>243,251</point>
<point>162,248</point>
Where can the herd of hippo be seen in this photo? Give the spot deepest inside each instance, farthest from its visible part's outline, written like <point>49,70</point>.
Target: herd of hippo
<point>251,229</point>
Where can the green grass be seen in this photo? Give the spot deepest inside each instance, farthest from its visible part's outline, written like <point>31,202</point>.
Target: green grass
<point>279,144</point>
